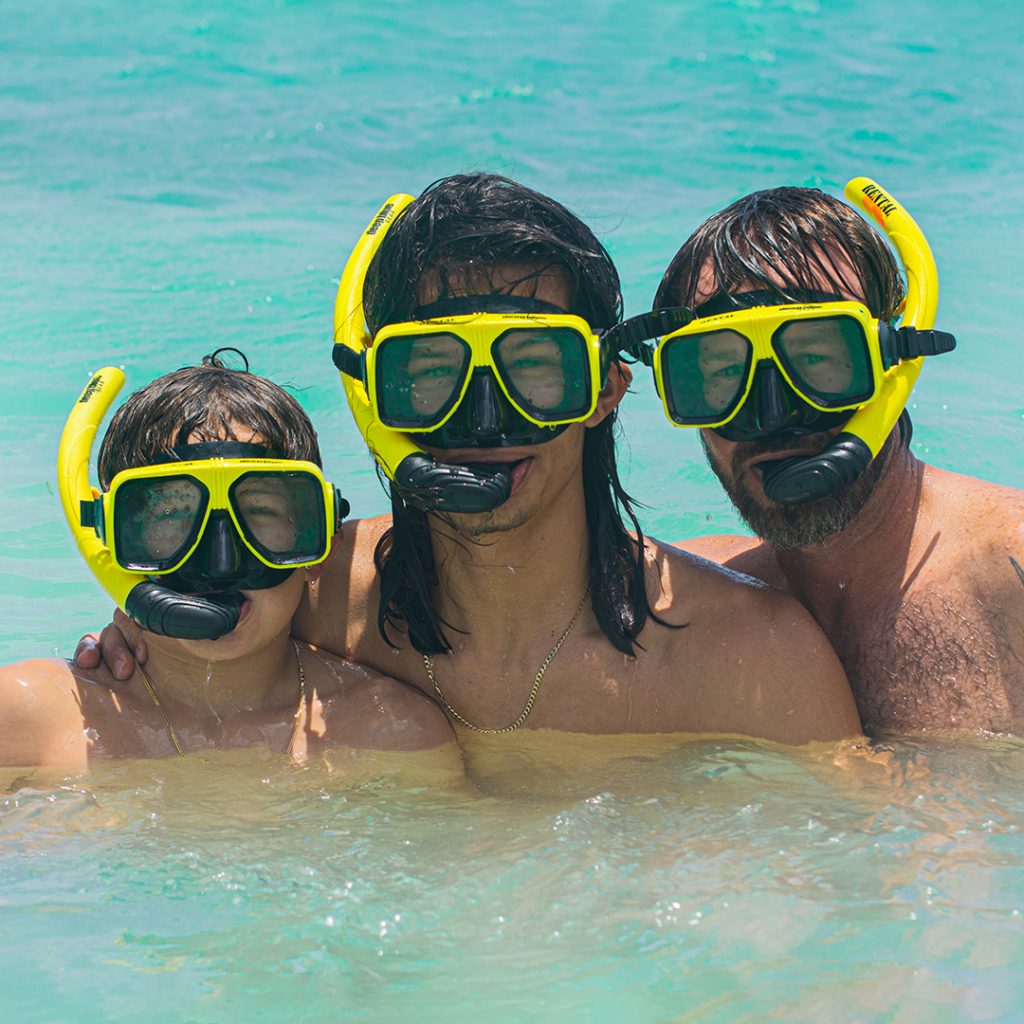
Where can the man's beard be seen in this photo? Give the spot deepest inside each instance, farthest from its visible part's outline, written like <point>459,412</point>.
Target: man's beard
<point>789,527</point>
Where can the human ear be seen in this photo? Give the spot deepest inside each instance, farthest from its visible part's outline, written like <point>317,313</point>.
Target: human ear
<point>620,376</point>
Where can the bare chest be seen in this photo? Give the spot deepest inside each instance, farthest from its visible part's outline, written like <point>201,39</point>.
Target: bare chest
<point>937,659</point>
<point>130,729</point>
<point>588,687</point>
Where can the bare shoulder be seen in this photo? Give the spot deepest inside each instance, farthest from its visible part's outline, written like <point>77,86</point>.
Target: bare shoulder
<point>718,547</point>
<point>41,721</point>
<point>725,595</point>
<point>361,707</point>
<point>748,555</point>
<point>958,497</point>
<point>674,571</point>
<point>987,552</point>
<point>982,527</point>
<point>769,670</point>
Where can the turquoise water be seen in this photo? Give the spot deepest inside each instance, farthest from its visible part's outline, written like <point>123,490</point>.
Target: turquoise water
<point>178,178</point>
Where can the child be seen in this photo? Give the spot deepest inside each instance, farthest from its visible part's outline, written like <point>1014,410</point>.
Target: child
<point>213,498</point>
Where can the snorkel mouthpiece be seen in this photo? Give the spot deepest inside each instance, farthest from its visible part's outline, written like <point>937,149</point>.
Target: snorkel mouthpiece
<point>423,481</point>
<point>798,479</point>
<point>151,606</point>
<point>801,479</point>
<point>183,615</point>
<point>444,487</point>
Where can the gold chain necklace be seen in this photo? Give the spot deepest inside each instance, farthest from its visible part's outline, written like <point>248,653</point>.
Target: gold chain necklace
<point>170,728</point>
<point>428,660</point>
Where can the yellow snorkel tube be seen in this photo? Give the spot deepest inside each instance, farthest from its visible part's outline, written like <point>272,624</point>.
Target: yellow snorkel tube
<point>421,480</point>
<point>794,481</point>
<point>155,608</point>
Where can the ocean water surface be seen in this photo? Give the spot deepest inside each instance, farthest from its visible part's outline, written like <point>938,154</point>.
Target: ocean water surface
<point>178,178</point>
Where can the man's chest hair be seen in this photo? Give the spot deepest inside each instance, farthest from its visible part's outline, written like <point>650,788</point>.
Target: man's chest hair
<point>935,661</point>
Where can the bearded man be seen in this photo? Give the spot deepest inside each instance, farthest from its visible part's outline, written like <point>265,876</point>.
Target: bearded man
<point>914,573</point>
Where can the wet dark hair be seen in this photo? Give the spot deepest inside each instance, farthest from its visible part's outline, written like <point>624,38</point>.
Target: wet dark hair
<point>465,225</point>
<point>458,230</point>
<point>202,403</point>
<point>792,233</point>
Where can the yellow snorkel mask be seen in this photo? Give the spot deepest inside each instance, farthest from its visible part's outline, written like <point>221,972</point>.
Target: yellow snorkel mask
<point>835,358</point>
<point>175,542</point>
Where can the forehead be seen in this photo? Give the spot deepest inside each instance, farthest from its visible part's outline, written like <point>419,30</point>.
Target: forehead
<point>550,285</point>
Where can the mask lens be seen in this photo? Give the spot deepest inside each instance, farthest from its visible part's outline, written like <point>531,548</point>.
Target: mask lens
<point>419,378</point>
<point>705,375</point>
<point>827,359</point>
<point>546,371</point>
<point>282,515</point>
<point>156,521</point>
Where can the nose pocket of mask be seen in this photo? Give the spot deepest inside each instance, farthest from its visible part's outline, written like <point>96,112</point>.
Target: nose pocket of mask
<point>773,407</point>
<point>219,550</point>
<point>485,413</point>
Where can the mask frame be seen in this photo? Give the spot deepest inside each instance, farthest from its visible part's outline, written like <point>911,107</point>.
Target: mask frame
<point>763,329</point>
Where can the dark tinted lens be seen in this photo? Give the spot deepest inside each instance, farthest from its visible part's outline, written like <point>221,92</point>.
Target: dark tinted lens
<point>282,515</point>
<point>827,359</point>
<point>419,377</point>
<point>155,521</point>
<point>704,374</point>
<point>546,370</point>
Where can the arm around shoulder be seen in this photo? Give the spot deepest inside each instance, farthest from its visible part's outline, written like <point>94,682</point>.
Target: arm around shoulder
<point>40,715</point>
<point>340,602</point>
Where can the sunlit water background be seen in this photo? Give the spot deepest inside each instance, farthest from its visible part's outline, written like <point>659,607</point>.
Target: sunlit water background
<point>181,177</point>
